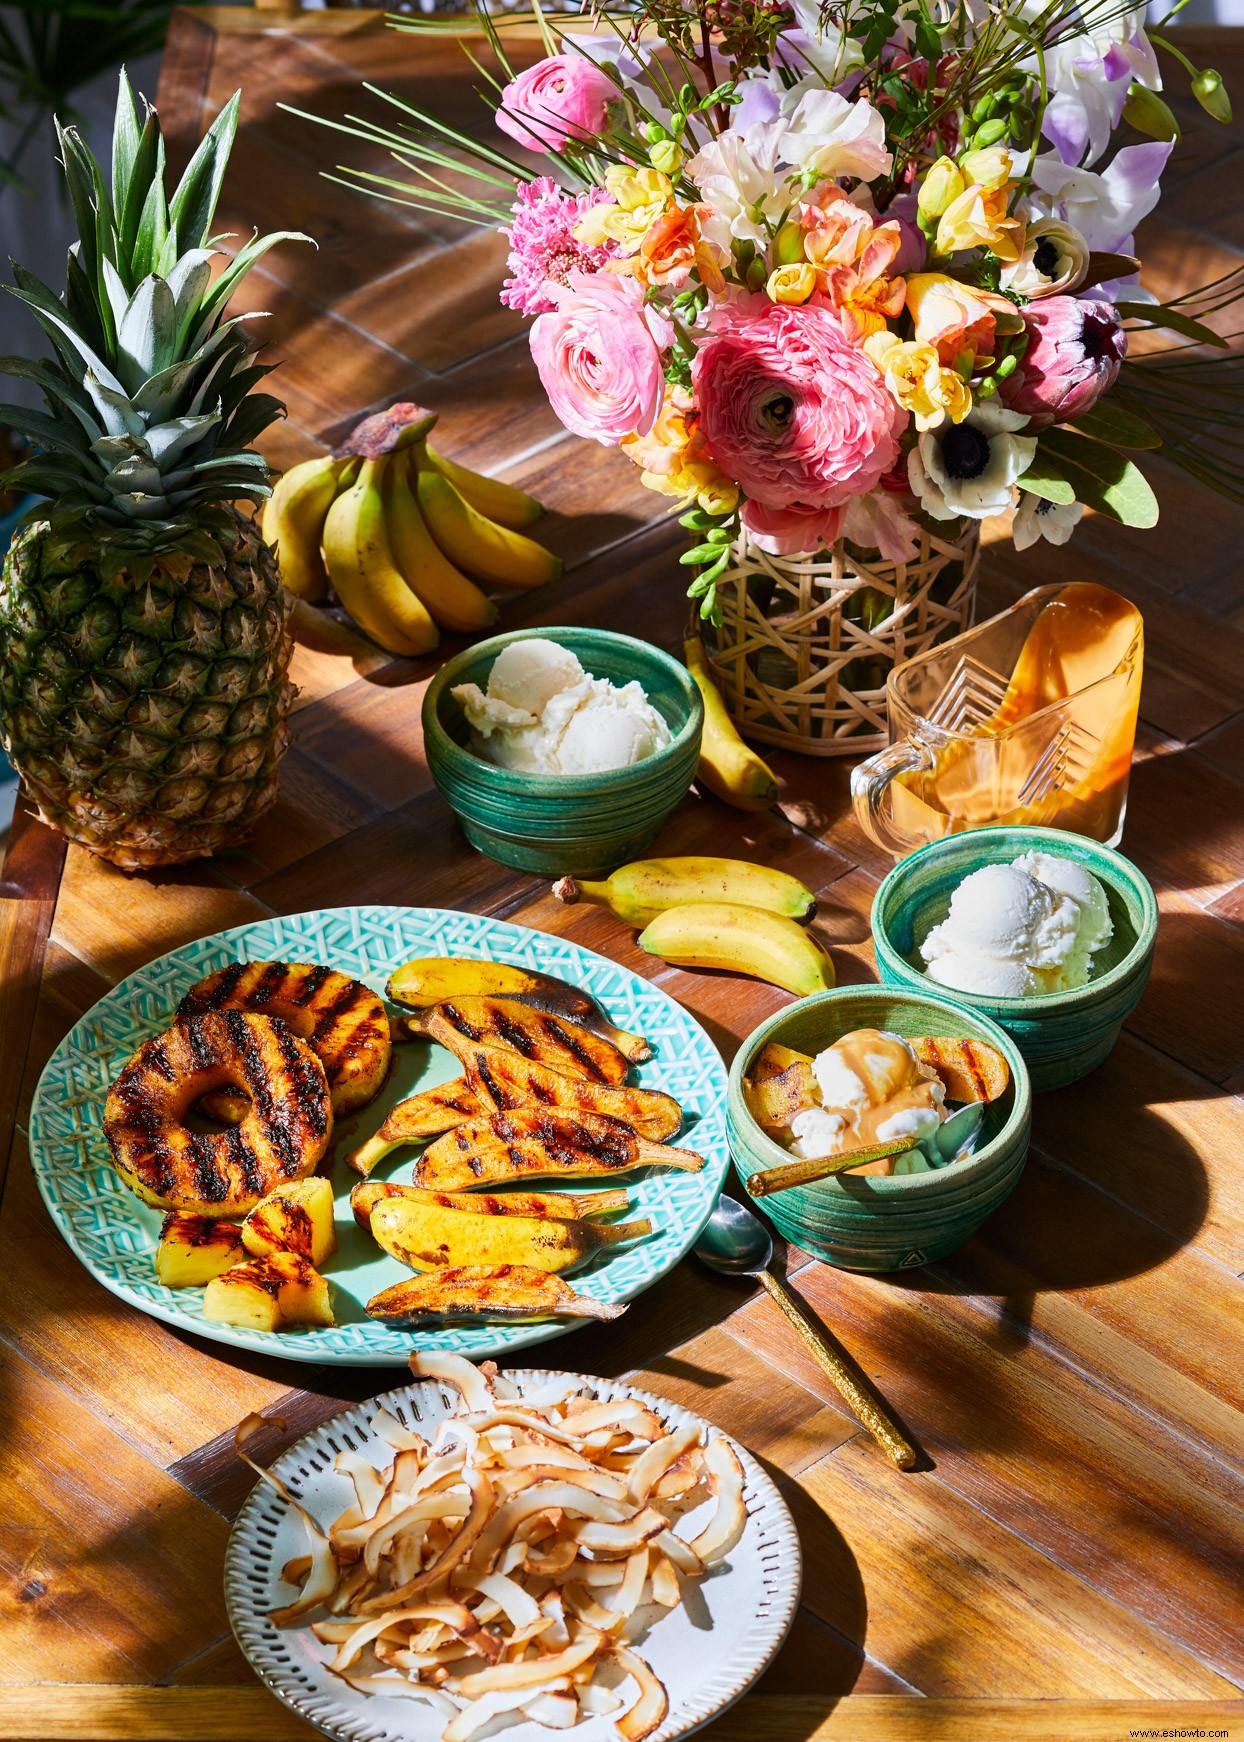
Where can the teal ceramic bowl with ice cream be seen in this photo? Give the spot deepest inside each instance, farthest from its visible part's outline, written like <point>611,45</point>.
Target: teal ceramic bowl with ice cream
<point>1062,1033</point>
<point>874,1223</point>
<point>579,821</point>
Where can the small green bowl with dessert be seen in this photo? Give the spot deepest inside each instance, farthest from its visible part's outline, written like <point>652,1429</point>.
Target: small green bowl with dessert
<point>562,751</point>
<point>1049,934</point>
<point>862,1050</point>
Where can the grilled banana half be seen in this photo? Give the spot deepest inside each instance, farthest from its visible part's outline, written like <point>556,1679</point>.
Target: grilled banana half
<point>463,1023</point>
<point>566,1206</point>
<point>282,1134</point>
<point>539,1142</point>
<point>474,1292</point>
<point>342,1021</point>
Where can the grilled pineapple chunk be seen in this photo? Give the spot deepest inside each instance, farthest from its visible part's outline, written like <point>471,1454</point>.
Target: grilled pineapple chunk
<point>425,1235</point>
<point>294,1218</point>
<point>269,1293</point>
<point>194,1249</point>
<point>480,1295</point>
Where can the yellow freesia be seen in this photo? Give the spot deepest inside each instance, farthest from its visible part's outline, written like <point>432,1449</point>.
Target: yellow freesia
<point>990,167</point>
<point>640,196</point>
<point>921,383</point>
<point>977,219</point>
<point>791,283</point>
<point>941,185</point>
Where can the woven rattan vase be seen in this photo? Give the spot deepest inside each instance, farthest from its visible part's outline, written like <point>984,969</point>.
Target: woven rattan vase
<point>805,643</point>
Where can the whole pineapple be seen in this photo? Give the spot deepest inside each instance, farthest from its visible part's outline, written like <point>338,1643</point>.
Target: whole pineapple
<point>143,651</point>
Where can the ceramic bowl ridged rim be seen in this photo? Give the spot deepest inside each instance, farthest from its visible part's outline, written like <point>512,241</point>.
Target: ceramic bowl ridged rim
<point>946,1185</point>
<point>252,1547</point>
<point>1047,1003</point>
<point>461,765</point>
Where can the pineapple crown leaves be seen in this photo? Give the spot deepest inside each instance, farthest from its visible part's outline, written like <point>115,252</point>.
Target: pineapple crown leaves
<point>151,401</point>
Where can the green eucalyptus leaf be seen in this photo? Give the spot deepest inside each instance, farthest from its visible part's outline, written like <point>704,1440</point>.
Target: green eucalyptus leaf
<point>1102,477</point>
<point>1109,422</point>
<point>1045,478</point>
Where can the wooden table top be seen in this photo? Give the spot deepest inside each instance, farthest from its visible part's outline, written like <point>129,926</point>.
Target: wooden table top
<point>1066,1564</point>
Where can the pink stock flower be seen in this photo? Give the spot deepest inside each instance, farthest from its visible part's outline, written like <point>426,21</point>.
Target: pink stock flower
<point>543,248</point>
<point>598,360</point>
<point>556,102</point>
<point>791,411</point>
<point>1075,347</point>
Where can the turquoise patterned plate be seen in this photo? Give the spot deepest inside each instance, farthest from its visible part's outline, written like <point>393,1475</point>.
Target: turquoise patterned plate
<point>114,1234</point>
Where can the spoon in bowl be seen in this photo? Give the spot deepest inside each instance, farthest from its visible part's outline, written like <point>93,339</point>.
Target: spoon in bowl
<point>736,1243</point>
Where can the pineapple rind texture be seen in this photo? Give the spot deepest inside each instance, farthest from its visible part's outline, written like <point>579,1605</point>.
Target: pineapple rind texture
<point>143,696</point>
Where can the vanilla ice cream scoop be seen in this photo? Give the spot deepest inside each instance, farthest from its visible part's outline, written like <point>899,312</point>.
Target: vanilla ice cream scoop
<point>1019,930</point>
<point>543,714</point>
<point>873,1089</point>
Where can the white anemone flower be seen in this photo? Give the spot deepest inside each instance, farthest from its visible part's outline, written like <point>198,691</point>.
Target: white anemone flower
<point>736,175</point>
<point>1054,260</point>
<point>1035,519</point>
<point>829,135</point>
<point>971,467</point>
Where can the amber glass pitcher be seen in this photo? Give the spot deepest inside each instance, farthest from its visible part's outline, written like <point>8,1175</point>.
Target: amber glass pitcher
<point>1028,718</point>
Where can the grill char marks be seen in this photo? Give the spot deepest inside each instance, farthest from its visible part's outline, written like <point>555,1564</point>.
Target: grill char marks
<point>282,1134</point>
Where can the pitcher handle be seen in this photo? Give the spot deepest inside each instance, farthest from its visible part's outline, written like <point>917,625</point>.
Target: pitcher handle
<point>869,780</point>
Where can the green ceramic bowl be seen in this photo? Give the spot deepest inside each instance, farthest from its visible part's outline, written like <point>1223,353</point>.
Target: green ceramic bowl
<point>1062,1035</point>
<point>869,1222</point>
<point>559,824</point>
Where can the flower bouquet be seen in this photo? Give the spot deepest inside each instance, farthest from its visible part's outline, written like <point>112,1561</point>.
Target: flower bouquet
<point>842,282</point>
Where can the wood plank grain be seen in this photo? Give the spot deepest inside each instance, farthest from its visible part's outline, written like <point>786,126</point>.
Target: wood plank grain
<point>115,922</point>
<point>28,886</point>
<point>1044,1450</point>
<point>953,1602</point>
<point>98,1547</point>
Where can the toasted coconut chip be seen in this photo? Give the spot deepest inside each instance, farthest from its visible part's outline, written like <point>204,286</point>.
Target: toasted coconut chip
<point>474,1385</point>
<point>503,1389</point>
<point>455,1616</point>
<point>483,1711</point>
<point>597,1574</point>
<point>583,1475</point>
<point>596,1701</point>
<point>295,1571</point>
<point>653,1703</point>
<point>509,1416</point>
<point>620,1412</point>
<point>652,1464</point>
<point>554,1711</point>
<point>460,1543</point>
<point>665,1589</point>
<point>368,1482</point>
<point>680,1553</point>
<point>521,1457</point>
<point>619,1539</point>
<point>552,1562</point>
<point>352,1588</point>
<point>535,1673</point>
<point>557,1633</point>
<point>519,1606</point>
<point>539,1498</point>
<point>678,1480</point>
<point>388,1428</point>
<point>396,1687</point>
<point>630,1593</point>
<point>323,1572</point>
<point>725,1481</point>
<point>427,1507</point>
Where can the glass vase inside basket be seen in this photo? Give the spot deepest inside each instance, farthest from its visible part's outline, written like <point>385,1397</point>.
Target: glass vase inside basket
<point>1029,718</point>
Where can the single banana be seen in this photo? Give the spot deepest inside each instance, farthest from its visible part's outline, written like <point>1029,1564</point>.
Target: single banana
<point>424,1235</point>
<point>639,892</point>
<point>488,552</point>
<point>743,940</point>
<point>454,602</point>
<point>293,520</point>
<point>360,564</point>
<point>496,501</point>
<point>728,766</point>
<point>324,633</point>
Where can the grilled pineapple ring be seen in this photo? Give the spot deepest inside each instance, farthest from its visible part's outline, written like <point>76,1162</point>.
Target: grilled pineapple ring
<point>282,1134</point>
<point>342,1021</point>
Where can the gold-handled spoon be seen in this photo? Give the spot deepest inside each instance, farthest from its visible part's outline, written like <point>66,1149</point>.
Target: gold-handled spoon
<point>737,1243</point>
<point>766,1181</point>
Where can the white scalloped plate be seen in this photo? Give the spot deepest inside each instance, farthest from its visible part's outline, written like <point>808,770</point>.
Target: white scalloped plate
<point>707,1652</point>
<point>115,1234</point>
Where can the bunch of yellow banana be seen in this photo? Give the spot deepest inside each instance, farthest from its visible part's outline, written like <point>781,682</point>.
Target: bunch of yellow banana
<point>403,536</point>
<point>703,912</point>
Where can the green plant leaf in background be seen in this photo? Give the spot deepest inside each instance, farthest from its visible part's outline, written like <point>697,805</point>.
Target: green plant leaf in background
<point>1110,423</point>
<point>49,49</point>
<point>1101,477</point>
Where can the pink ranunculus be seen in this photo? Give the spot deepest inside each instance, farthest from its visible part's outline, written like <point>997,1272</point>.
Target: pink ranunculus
<point>1075,347</point>
<point>790,531</point>
<point>555,102</point>
<point>796,415</point>
<point>597,358</point>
